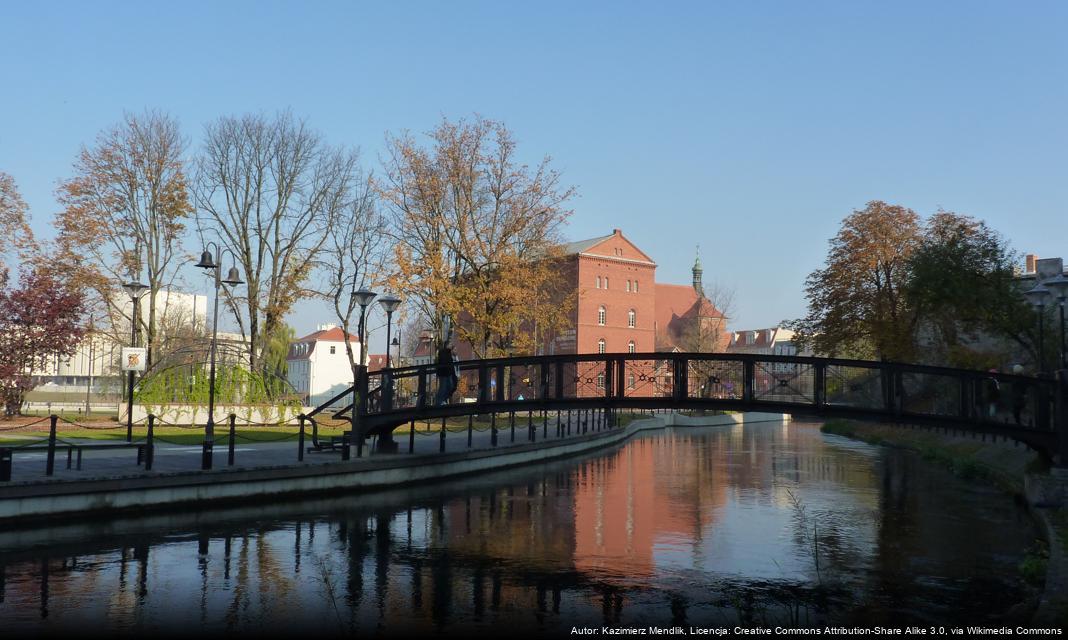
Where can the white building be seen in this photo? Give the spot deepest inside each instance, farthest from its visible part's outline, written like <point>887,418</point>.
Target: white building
<point>98,354</point>
<point>318,366</point>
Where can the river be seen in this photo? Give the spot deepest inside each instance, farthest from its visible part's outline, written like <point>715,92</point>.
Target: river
<point>771,523</point>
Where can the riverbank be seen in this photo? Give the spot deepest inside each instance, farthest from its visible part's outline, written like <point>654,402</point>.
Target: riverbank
<point>1012,467</point>
<point>33,501</point>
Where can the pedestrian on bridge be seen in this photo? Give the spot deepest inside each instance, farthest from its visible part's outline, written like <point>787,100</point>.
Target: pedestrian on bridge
<point>446,373</point>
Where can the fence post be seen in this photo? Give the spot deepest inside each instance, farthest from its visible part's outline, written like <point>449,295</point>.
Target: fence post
<point>493,429</point>
<point>411,437</point>
<point>150,448</point>
<point>233,438</point>
<point>5,464</point>
<point>511,422</point>
<point>530,425</point>
<point>441,447</point>
<point>470,428</point>
<point>300,438</point>
<point>50,466</point>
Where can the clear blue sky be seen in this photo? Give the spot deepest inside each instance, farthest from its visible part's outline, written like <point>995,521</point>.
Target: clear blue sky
<point>751,128</point>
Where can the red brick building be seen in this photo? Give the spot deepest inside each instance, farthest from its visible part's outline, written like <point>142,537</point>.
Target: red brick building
<point>622,308</point>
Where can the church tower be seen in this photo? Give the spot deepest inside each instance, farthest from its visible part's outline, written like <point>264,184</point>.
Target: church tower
<point>697,271</point>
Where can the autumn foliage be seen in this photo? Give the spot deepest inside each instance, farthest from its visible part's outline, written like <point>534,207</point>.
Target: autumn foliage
<point>40,318</point>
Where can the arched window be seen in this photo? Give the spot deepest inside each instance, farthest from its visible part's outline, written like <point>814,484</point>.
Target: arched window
<point>601,315</point>
<point>628,285</point>
<point>631,317</point>
<point>630,381</point>
<point>600,346</point>
<point>606,282</point>
<point>631,347</point>
<point>600,380</point>
<point>598,282</point>
<point>635,286</point>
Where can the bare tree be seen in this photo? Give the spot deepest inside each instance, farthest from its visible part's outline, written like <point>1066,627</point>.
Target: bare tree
<point>354,256</point>
<point>125,211</point>
<point>269,189</point>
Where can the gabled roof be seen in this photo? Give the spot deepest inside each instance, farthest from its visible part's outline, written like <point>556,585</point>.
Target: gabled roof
<point>593,247</point>
<point>676,303</point>
<point>582,246</point>
<point>328,335</point>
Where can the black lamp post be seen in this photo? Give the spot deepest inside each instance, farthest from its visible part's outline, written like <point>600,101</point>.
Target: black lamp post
<point>1058,287</point>
<point>136,290</point>
<point>389,304</point>
<point>363,297</point>
<point>1037,296</point>
<point>233,278</point>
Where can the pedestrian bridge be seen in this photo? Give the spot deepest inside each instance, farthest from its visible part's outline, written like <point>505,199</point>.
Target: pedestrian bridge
<point>1026,409</point>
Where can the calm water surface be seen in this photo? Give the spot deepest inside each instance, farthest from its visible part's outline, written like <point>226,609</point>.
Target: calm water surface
<point>765,524</point>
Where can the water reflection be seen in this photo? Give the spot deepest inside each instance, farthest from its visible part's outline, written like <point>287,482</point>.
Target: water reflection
<point>770,523</point>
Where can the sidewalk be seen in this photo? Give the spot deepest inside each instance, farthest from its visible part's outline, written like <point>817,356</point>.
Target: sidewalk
<point>29,467</point>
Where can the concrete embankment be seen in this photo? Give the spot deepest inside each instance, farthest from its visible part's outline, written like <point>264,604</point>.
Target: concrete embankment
<point>1010,466</point>
<point>34,501</point>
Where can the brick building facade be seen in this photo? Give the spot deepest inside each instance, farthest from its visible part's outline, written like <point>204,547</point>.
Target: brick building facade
<point>622,308</point>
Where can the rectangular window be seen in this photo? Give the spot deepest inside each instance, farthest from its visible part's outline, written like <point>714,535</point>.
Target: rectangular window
<point>628,286</point>
<point>598,282</point>
<point>635,286</point>
<point>332,348</point>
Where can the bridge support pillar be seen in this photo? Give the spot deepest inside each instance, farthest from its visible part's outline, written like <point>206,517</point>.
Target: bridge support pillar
<point>386,443</point>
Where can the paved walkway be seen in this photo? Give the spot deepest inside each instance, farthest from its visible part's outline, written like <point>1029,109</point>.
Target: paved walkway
<point>121,461</point>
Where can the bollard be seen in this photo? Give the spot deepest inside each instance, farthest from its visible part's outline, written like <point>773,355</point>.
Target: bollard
<point>530,426</point>
<point>233,438</point>
<point>207,454</point>
<point>544,424</point>
<point>511,422</point>
<point>441,446</point>
<point>493,429</point>
<point>300,440</point>
<point>569,422</point>
<point>50,465</point>
<point>5,465</point>
<point>150,448</point>
<point>470,429</point>
<point>346,447</point>
<point>411,437</point>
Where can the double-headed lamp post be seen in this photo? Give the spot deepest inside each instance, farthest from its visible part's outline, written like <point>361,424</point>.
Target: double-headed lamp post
<point>136,290</point>
<point>1037,297</point>
<point>1058,288</point>
<point>233,278</point>
<point>363,297</point>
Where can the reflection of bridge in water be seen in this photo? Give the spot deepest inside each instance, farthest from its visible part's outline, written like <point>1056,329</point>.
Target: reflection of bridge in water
<point>1030,410</point>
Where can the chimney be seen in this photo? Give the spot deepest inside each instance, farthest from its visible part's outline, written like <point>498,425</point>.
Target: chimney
<point>1029,263</point>
<point>616,232</point>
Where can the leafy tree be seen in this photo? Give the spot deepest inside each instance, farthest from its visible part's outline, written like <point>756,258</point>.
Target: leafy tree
<point>125,210</point>
<point>17,236</point>
<point>857,304</point>
<point>477,235</point>
<point>41,318</point>
<point>962,287</point>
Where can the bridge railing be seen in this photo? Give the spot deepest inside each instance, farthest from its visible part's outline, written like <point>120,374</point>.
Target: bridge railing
<point>749,381</point>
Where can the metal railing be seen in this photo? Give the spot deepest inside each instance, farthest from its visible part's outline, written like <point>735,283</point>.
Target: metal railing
<point>1029,409</point>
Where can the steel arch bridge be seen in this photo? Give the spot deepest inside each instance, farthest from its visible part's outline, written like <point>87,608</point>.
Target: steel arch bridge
<point>1027,409</point>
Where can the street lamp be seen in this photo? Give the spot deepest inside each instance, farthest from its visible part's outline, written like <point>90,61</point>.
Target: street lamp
<point>1058,287</point>
<point>1037,297</point>
<point>233,278</point>
<point>136,290</point>
<point>389,304</point>
<point>363,297</point>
